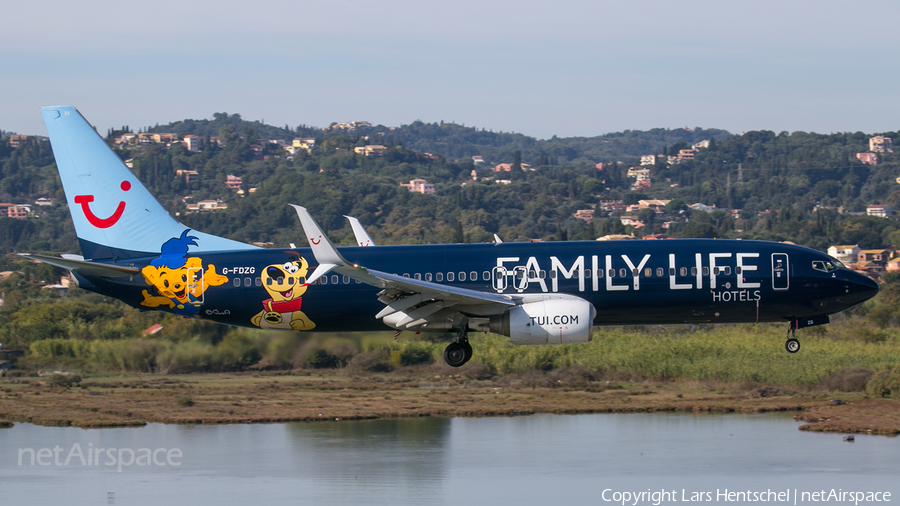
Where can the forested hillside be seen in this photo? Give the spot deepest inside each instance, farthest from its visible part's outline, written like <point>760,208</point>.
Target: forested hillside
<point>784,186</point>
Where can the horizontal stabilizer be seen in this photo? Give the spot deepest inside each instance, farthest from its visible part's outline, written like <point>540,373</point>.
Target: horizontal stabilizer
<point>82,267</point>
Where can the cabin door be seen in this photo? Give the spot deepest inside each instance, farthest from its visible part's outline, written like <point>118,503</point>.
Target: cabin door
<point>780,271</point>
<point>195,285</point>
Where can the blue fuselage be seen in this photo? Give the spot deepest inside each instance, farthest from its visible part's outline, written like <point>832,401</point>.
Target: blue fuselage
<point>628,282</point>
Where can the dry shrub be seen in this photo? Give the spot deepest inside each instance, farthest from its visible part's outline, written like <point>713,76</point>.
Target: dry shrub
<point>848,379</point>
<point>475,370</point>
<point>376,361</point>
<point>576,376</point>
<point>885,383</point>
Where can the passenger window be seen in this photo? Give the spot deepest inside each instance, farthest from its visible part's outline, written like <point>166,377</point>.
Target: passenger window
<point>623,272</point>
<point>706,271</point>
<point>659,272</point>
<point>715,270</point>
<point>269,281</point>
<point>473,276</point>
<point>486,276</point>
<point>258,281</point>
<point>682,271</point>
<point>542,274</point>
<point>648,272</point>
<point>727,270</point>
<point>335,279</point>
<point>462,276</point>
<point>346,280</point>
<point>612,273</point>
<point>323,280</point>
<point>693,271</point>
<point>405,274</point>
<point>587,273</point>
<point>439,277</point>
<point>248,281</point>
<point>237,282</point>
<point>427,276</point>
<point>417,276</point>
<point>600,273</point>
<point>553,274</point>
<point>450,276</point>
<point>737,270</point>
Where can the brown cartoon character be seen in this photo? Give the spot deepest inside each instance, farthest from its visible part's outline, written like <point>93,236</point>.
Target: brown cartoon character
<point>179,280</point>
<point>285,284</point>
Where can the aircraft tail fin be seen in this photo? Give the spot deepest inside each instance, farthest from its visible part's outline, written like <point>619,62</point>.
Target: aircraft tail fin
<point>114,214</point>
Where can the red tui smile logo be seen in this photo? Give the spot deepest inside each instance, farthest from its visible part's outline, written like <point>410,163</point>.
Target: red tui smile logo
<point>85,201</point>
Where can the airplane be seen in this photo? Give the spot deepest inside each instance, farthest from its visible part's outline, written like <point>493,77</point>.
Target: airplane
<point>534,293</point>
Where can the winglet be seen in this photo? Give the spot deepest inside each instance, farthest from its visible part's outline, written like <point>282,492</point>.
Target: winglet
<point>326,254</point>
<point>497,239</point>
<point>362,237</point>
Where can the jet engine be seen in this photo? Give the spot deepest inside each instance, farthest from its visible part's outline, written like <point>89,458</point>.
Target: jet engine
<point>557,320</point>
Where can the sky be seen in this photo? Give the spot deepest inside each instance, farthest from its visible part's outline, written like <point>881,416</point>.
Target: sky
<point>566,68</point>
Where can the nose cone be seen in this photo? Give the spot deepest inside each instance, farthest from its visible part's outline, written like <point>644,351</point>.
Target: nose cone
<point>861,288</point>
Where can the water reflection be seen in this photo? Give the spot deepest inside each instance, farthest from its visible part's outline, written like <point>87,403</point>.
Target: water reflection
<point>523,460</point>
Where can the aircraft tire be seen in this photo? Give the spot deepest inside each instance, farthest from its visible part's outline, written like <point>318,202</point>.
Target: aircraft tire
<point>468,349</point>
<point>792,345</point>
<point>455,355</point>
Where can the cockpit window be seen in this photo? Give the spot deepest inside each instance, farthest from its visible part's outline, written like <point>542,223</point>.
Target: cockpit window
<point>827,265</point>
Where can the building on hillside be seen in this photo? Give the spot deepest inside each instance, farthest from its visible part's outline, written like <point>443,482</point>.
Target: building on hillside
<point>704,144</point>
<point>506,167</point>
<point>631,221</point>
<point>207,205</point>
<point>877,257</point>
<point>893,265</point>
<point>371,150</point>
<point>420,186</point>
<point>18,212</point>
<point>586,215</point>
<point>655,204</point>
<point>476,159</point>
<point>702,207</point>
<point>189,175</point>
<point>648,160</point>
<point>641,185</point>
<point>43,201</point>
<point>867,158</point>
<point>612,206</point>
<point>126,138</point>
<point>17,140</point>
<point>638,172</point>
<point>304,144</point>
<point>846,253</point>
<point>600,166</point>
<point>192,143</point>
<point>880,210</point>
<point>686,154</point>
<point>880,144</point>
<point>233,182</point>
<point>654,237</point>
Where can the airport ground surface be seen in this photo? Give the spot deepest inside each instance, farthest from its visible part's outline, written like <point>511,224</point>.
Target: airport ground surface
<point>113,400</point>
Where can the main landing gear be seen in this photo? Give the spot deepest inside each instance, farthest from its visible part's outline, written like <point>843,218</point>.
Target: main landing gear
<point>458,352</point>
<point>792,345</point>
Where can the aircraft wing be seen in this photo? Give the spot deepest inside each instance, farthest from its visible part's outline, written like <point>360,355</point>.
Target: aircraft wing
<point>400,293</point>
<point>83,267</point>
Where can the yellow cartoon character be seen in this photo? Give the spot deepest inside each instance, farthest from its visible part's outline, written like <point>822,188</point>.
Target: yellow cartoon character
<point>179,280</point>
<point>285,284</point>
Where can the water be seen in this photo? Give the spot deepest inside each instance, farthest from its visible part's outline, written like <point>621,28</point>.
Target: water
<point>540,459</point>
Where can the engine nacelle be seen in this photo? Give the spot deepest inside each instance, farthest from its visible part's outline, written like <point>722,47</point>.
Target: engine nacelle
<point>549,321</point>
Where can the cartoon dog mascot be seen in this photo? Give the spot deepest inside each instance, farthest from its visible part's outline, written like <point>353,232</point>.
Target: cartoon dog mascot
<point>179,280</point>
<point>285,284</point>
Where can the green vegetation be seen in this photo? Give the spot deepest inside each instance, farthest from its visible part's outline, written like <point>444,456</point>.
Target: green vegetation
<point>802,178</point>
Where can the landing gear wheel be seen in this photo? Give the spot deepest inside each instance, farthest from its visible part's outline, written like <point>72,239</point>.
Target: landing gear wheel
<point>455,354</point>
<point>792,345</point>
<point>468,349</point>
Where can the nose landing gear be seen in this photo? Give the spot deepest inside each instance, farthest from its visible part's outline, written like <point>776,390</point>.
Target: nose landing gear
<point>792,345</point>
<point>458,352</point>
